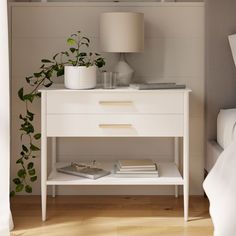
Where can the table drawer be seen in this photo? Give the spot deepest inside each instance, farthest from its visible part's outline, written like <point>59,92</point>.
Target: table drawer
<point>159,102</point>
<point>73,125</point>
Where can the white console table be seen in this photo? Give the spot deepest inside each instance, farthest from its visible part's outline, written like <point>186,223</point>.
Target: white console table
<point>123,112</point>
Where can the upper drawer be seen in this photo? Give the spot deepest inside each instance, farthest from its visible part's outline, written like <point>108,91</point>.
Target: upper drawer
<point>114,102</point>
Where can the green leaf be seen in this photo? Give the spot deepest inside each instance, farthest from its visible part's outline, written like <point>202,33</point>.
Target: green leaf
<point>71,41</point>
<point>16,181</point>
<point>21,94</point>
<point>71,62</point>
<point>30,165</point>
<point>21,117</point>
<point>29,97</point>
<point>30,115</point>
<point>28,79</point>
<point>38,74</point>
<point>32,172</point>
<point>25,149</point>
<point>60,72</point>
<point>54,57</point>
<point>83,54</point>
<point>72,50</point>
<point>27,127</point>
<point>48,74</point>
<point>21,173</point>
<point>28,189</point>
<point>37,136</point>
<point>85,44</point>
<point>33,147</point>
<point>88,40</point>
<point>46,61</point>
<point>38,95</point>
<point>33,179</point>
<point>100,62</point>
<point>48,84</point>
<point>19,187</point>
<point>65,53</point>
<point>12,193</point>
<point>19,161</point>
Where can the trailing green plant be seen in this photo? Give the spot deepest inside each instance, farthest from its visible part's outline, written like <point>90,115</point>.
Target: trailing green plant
<point>76,55</point>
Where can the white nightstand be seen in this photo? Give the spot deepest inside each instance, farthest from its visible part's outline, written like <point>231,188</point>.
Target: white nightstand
<point>123,112</point>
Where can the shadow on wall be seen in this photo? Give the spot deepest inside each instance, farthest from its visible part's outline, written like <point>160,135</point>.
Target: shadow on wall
<point>220,68</point>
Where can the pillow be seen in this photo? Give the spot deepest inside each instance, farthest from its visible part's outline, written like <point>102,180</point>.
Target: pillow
<point>226,122</point>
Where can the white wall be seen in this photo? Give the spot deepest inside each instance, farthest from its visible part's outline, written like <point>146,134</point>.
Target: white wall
<point>4,123</point>
<point>174,51</point>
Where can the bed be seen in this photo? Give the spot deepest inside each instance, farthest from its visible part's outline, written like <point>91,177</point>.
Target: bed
<point>220,183</point>
<point>213,152</point>
<point>226,132</point>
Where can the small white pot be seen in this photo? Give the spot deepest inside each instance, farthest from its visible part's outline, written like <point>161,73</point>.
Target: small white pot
<point>80,77</point>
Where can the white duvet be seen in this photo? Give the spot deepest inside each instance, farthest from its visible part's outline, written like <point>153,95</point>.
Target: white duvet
<point>220,187</point>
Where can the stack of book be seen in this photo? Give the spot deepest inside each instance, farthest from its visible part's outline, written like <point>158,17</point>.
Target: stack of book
<point>136,168</point>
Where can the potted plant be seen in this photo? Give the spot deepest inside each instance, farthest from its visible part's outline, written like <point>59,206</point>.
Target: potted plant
<point>80,71</point>
<point>75,57</point>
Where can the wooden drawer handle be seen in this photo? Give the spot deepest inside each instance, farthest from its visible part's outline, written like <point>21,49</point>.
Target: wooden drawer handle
<point>115,126</point>
<point>119,103</point>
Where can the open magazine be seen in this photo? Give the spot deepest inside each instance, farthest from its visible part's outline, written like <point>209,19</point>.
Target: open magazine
<point>83,170</point>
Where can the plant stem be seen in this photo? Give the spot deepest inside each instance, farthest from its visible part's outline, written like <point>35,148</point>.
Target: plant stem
<point>43,79</point>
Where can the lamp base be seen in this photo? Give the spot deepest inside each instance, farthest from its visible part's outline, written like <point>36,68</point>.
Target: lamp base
<point>125,72</point>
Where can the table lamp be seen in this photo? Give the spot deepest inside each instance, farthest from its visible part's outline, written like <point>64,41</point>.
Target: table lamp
<point>122,32</point>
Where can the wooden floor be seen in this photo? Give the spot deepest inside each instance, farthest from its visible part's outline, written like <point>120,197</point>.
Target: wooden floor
<point>111,216</point>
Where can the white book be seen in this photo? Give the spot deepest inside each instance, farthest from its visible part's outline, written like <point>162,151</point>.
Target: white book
<point>137,164</point>
<point>137,171</point>
<point>135,175</point>
<point>147,86</point>
<point>153,168</point>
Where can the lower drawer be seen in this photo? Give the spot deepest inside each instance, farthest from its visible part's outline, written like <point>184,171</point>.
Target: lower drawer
<point>72,125</point>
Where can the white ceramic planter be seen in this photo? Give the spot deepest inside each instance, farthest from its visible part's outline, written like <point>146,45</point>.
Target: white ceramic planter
<point>80,77</point>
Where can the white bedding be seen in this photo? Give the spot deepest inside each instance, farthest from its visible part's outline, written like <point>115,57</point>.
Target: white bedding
<point>220,184</point>
<point>220,187</point>
<point>226,131</point>
<point>213,152</point>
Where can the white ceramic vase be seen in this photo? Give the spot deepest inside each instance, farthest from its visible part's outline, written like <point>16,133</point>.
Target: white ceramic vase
<point>80,77</point>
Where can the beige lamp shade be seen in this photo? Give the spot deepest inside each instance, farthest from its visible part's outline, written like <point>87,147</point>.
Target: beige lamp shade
<point>122,32</point>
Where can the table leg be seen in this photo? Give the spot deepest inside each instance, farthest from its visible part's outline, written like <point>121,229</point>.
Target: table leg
<point>43,157</point>
<point>176,155</point>
<point>186,156</point>
<point>54,149</point>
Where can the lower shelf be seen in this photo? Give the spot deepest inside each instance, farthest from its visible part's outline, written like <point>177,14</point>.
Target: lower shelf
<point>168,175</point>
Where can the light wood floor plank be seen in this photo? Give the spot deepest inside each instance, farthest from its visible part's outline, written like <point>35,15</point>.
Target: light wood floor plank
<point>110,216</point>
